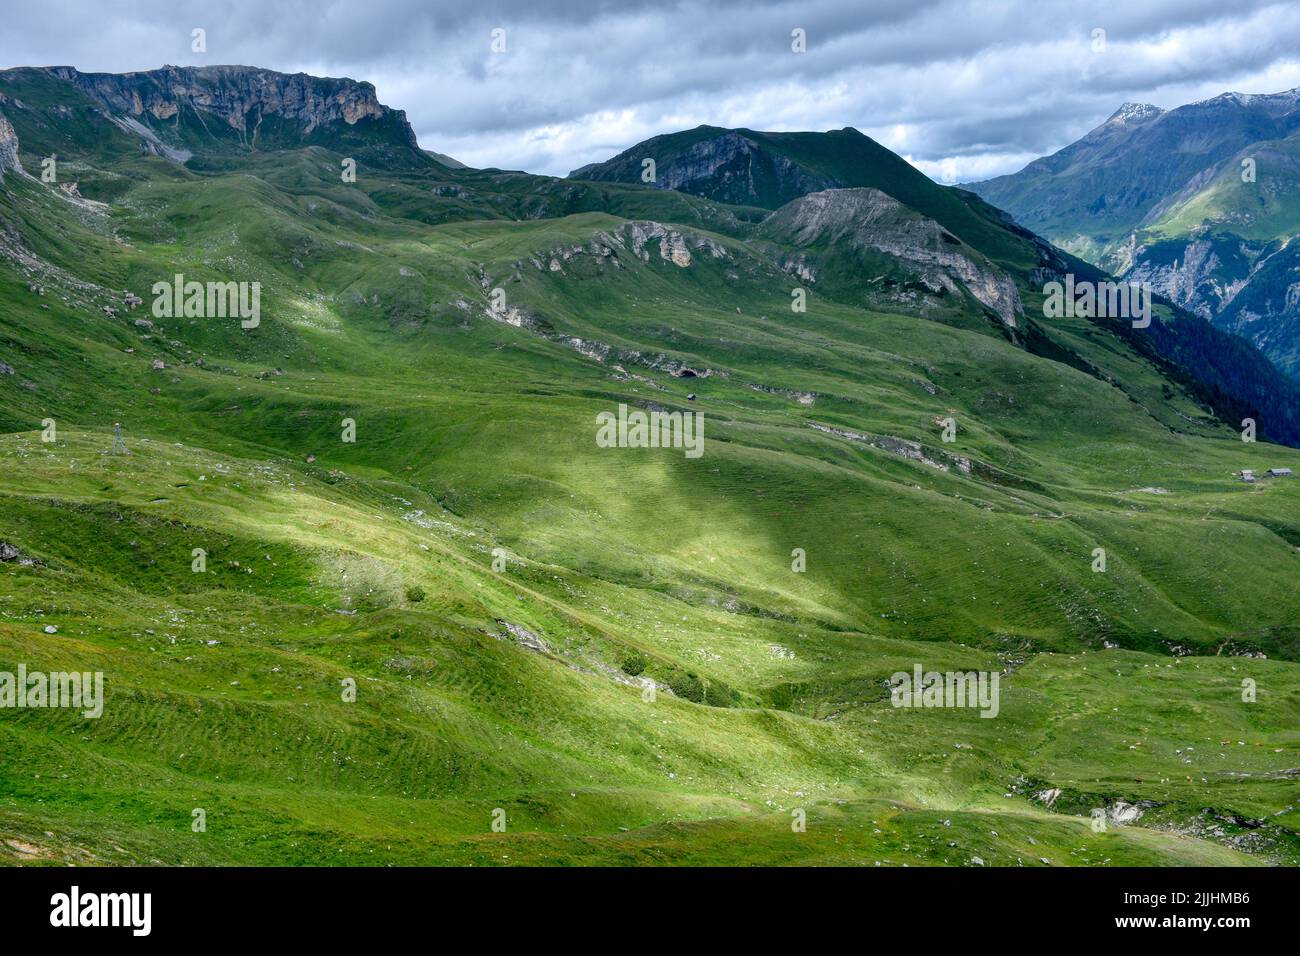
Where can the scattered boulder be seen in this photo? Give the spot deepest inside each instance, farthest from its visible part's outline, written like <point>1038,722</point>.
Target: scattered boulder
<point>525,637</point>
<point>1123,813</point>
<point>1048,797</point>
<point>8,552</point>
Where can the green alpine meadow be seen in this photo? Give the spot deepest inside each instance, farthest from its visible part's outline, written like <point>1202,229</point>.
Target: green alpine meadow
<point>732,501</point>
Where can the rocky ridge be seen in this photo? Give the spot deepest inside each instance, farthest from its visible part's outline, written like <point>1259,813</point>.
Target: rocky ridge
<point>870,219</point>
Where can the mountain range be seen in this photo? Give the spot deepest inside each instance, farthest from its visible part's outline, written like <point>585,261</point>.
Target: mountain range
<point>367,588</point>
<point>1202,202</point>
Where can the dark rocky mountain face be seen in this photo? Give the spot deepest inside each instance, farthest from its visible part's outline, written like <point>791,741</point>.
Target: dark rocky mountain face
<point>750,168</point>
<point>730,167</point>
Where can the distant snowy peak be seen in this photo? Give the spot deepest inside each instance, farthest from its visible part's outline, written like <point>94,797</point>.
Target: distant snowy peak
<point>1134,113</point>
<point>1274,103</point>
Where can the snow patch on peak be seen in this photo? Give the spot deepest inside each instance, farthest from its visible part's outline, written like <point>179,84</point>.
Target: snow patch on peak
<point>1134,112</point>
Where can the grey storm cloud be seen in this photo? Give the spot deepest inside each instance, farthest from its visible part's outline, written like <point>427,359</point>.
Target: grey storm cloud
<point>964,90</point>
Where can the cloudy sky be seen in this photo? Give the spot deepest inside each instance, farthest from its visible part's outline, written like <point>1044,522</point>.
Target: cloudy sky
<point>964,89</point>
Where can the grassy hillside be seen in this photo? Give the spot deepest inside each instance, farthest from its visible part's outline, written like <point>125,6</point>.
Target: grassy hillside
<point>1265,207</point>
<point>501,590</point>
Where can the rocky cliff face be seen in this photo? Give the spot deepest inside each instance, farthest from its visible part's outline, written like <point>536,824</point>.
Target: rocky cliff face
<point>870,219</point>
<point>1248,287</point>
<point>8,147</point>
<point>1266,309</point>
<point>1201,274</point>
<point>239,95</point>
